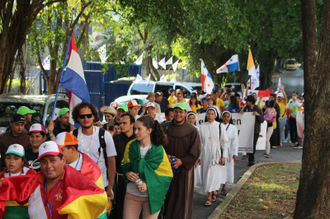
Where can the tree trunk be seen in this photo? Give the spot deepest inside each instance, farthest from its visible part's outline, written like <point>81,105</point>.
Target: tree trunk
<point>313,198</point>
<point>16,20</point>
<point>151,69</point>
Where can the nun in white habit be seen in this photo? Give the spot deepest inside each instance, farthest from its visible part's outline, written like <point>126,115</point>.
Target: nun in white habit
<point>211,160</point>
<point>232,133</point>
<point>192,118</point>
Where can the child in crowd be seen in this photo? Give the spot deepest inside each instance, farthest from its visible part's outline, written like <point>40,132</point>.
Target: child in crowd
<point>16,166</point>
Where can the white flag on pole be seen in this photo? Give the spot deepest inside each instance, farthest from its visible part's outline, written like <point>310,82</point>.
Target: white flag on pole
<point>138,78</point>
<point>139,60</point>
<point>173,79</point>
<point>162,63</point>
<point>207,81</point>
<point>170,61</point>
<point>46,63</point>
<point>162,79</point>
<point>103,53</point>
<point>148,80</point>
<point>175,65</point>
<point>279,83</point>
<point>155,63</point>
<point>257,80</point>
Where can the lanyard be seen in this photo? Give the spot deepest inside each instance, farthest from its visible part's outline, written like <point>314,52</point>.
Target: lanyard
<point>81,139</point>
<point>19,173</point>
<point>77,162</point>
<point>228,126</point>
<point>50,208</point>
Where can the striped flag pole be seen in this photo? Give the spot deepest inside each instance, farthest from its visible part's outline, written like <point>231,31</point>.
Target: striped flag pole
<point>61,75</point>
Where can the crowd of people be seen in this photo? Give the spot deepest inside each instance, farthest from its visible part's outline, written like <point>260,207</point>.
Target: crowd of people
<point>142,157</point>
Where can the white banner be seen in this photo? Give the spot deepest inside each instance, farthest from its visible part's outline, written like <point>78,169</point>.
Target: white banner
<point>261,143</point>
<point>245,126</point>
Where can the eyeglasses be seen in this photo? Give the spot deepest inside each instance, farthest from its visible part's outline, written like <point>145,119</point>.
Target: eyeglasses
<point>86,115</point>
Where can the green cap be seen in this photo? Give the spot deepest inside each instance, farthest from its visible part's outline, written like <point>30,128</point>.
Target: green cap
<point>123,107</point>
<point>23,110</point>
<point>63,111</point>
<point>181,106</point>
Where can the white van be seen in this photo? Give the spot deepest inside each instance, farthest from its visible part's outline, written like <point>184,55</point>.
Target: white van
<point>187,88</point>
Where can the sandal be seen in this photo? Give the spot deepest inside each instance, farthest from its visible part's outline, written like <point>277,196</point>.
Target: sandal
<point>208,203</point>
<point>223,192</point>
<point>214,197</point>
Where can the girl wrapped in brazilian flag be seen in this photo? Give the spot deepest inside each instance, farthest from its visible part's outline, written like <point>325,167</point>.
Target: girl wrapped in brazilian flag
<point>147,170</point>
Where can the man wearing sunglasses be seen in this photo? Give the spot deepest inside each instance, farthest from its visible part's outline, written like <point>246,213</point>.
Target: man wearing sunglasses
<point>89,139</point>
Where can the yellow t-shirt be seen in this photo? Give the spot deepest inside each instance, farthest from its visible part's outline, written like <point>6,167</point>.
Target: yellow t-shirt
<point>194,108</point>
<point>171,100</point>
<point>282,106</point>
<point>219,103</point>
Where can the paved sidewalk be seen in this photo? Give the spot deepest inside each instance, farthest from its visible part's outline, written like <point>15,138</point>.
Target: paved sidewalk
<point>280,154</point>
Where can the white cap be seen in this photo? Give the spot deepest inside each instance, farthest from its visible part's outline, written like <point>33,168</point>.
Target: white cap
<point>114,105</point>
<point>49,148</point>
<point>37,128</point>
<point>150,104</point>
<point>16,149</point>
<point>280,95</point>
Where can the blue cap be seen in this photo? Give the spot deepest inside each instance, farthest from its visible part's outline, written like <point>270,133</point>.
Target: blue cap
<point>170,90</point>
<point>205,99</point>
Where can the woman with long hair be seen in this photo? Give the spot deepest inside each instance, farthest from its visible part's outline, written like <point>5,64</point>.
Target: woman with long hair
<point>193,103</point>
<point>146,169</point>
<point>232,149</point>
<point>270,117</point>
<point>214,153</point>
<point>16,166</point>
<point>233,106</point>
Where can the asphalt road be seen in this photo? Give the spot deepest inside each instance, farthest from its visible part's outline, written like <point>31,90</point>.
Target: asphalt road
<point>292,80</point>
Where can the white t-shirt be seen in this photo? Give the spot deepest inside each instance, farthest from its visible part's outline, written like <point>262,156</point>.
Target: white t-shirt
<point>131,186</point>
<point>22,173</point>
<point>90,145</point>
<point>159,117</point>
<point>78,163</point>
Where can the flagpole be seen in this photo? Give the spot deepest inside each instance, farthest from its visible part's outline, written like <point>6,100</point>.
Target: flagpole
<point>61,75</point>
<point>240,82</point>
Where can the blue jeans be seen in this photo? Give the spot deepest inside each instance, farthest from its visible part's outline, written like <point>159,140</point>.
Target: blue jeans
<point>282,122</point>
<point>287,129</point>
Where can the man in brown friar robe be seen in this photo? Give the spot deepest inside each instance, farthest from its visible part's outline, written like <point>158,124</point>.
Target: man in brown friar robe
<point>183,143</point>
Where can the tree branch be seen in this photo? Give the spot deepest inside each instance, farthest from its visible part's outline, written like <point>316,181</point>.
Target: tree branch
<point>80,13</point>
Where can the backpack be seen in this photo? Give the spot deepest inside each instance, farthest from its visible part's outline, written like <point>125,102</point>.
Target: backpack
<point>103,145</point>
<point>270,116</point>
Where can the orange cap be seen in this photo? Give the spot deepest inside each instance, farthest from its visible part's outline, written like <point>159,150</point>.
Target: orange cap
<point>65,138</point>
<point>179,93</point>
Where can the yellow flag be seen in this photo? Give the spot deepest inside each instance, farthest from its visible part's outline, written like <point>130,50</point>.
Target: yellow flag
<point>250,63</point>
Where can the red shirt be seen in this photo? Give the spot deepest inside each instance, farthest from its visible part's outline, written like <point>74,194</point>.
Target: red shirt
<point>54,198</point>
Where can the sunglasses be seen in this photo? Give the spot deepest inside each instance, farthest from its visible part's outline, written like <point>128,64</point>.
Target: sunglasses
<point>86,115</point>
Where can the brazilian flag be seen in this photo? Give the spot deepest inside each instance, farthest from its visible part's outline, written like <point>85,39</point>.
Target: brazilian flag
<point>154,169</point>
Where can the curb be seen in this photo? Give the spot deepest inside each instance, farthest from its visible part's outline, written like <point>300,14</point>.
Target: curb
<point>234,191</point>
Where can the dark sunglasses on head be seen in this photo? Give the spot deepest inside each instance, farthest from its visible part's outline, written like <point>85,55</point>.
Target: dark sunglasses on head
<point>85,115</point>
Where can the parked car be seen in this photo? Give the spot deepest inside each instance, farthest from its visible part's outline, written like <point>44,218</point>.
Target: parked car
<point>123,100</point>
<point>235,86</point>
<point>42,104</point>
<point>291,64</point>
<point>143,88</point>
